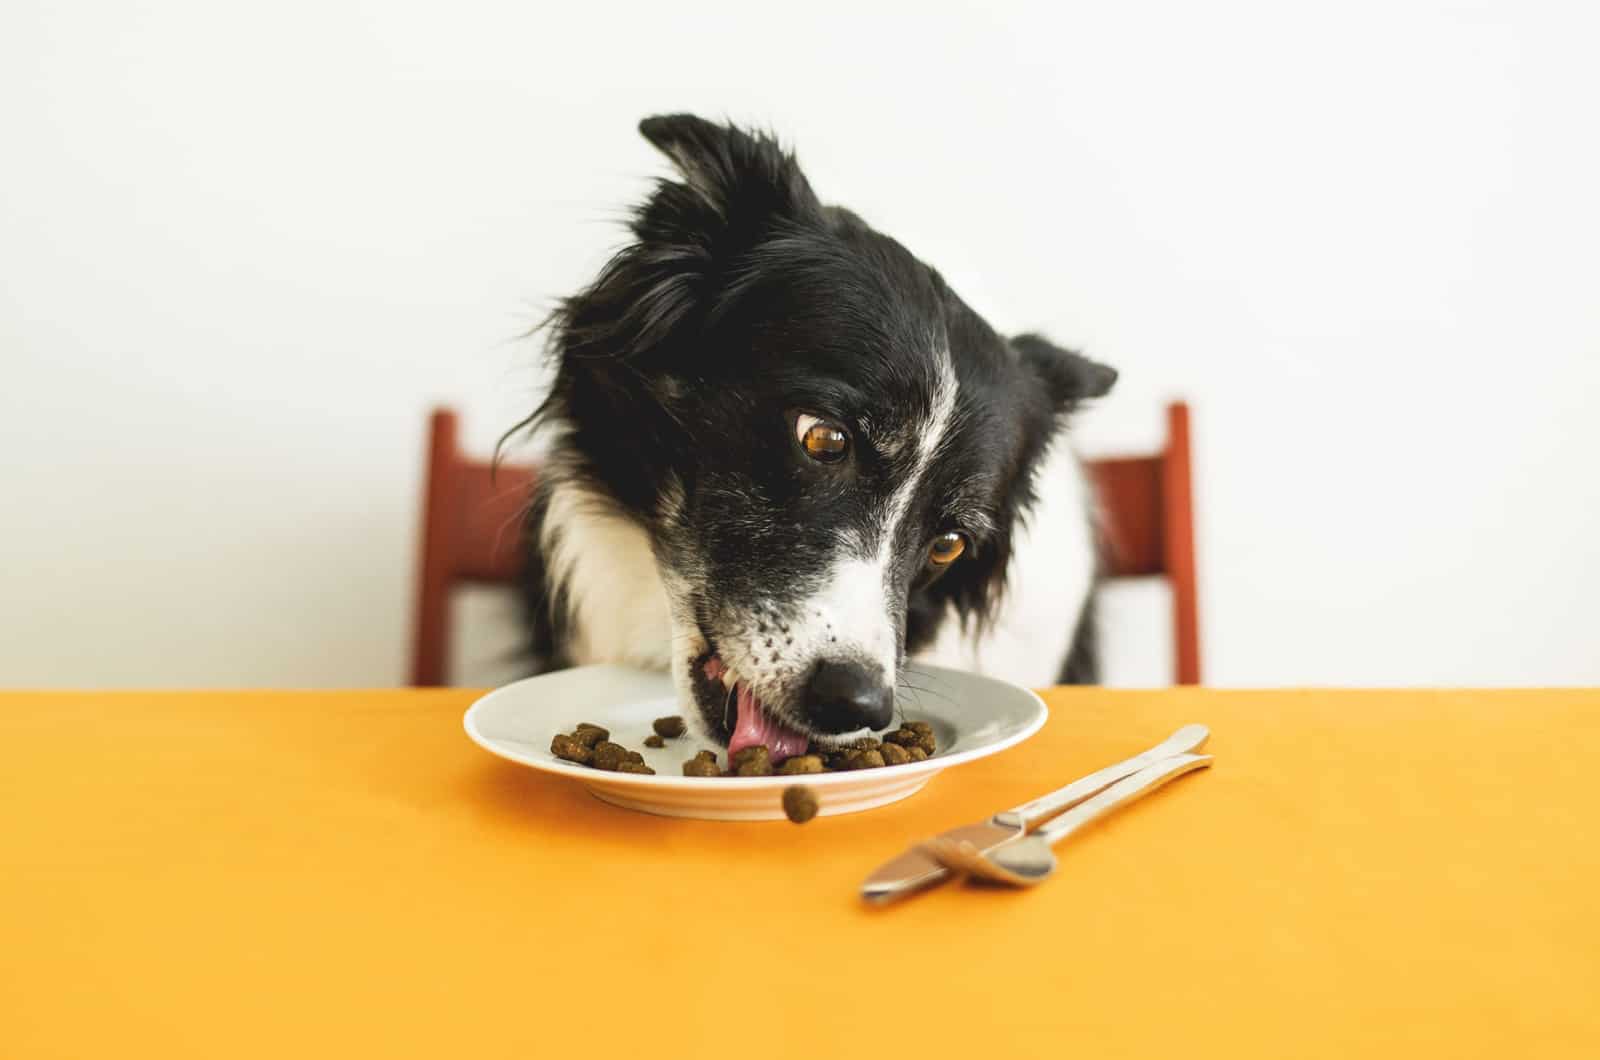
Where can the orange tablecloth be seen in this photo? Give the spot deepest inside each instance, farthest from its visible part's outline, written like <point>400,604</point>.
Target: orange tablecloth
<point>342,874</point>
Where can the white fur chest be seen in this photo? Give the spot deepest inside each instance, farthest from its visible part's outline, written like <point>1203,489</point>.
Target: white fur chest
<point>603,564</point>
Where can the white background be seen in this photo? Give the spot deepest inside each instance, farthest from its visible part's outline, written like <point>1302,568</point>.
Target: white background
<point>244,248</point>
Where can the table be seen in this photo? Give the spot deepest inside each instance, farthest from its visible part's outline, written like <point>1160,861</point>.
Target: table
<point>241,874</point>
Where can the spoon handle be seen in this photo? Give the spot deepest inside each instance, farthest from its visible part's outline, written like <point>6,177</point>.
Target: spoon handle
<point>1187,739</point>
<point>1120,794</point>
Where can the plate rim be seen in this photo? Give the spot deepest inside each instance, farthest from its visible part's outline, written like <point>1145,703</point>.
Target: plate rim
<point>469,720</point>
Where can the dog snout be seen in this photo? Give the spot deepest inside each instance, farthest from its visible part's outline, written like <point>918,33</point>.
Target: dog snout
<point>845,696</point>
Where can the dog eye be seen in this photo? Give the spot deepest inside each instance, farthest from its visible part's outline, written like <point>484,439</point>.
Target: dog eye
<point>823,442</point>
<point>946,549</point>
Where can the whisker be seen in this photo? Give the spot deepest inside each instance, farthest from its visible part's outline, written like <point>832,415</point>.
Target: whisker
<point>930,691</point>
<point>914,694</point>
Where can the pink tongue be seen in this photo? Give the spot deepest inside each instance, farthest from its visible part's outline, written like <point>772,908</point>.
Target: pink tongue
<point>755,727</point>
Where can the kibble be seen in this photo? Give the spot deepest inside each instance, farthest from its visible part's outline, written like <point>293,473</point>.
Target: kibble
<point>913,734</point>
<point>590,745</point>
<point>757,764</point>
<point>835,761</point>
<point>799,803</point>
<point>894,755</point>
<point>870,759</point>
<point>589,735</point>
<point>925,731</point>
<point>670,727</point>
<point>746,754</point>
<point>609,756</point>
<point>569,749</point>
<point>800,764</point>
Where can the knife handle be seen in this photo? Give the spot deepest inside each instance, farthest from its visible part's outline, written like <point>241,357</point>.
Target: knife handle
<point>1029,814</point>
<point>1124,791</point>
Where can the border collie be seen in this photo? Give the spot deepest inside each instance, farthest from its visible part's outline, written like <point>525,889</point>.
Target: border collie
<point>785,458</point>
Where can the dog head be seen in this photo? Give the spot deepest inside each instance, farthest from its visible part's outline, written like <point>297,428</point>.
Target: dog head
<point>827,448</point>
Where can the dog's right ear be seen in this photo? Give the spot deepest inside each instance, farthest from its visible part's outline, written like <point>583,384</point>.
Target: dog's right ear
<point>743,181</point>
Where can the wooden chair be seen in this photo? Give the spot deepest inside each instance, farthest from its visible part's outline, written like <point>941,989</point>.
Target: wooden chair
<point>472,534</point>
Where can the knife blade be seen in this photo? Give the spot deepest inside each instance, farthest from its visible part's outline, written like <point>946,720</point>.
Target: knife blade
<point>914,870</point>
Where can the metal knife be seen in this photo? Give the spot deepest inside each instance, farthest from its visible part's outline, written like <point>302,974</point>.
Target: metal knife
<point>915,870</point>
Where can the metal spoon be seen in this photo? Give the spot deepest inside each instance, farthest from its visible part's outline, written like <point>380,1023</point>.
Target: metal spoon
<point>1029,860</point>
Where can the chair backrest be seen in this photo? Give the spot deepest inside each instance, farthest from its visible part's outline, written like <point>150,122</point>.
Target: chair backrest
<point>1147,529</point>
<point>472,534</point>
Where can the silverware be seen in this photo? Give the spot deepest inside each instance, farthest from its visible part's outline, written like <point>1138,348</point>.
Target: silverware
<point>917,869</point>
<point>1029,860</point>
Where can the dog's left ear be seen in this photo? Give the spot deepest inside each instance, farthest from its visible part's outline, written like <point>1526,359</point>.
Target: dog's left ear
<point>1068,377</point>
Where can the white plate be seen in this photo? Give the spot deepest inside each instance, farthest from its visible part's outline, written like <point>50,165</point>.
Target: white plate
<point>972,717</point>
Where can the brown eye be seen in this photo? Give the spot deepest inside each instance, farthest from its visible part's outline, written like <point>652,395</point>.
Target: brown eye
<point>946,549</point>
<point>824,442</point>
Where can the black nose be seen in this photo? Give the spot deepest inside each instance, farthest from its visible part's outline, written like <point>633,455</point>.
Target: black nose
<point>843,696</point>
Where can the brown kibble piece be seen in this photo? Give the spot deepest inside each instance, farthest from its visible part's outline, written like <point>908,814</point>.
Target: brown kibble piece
<point>701,767</point>
<point>608,755</point>
<point>565,747</point>
<point>864,760</point>
<point>799,803</point>
<point>866,743</point>
<point>914,734</point>
<point>671,727</point>
<point>917,754</point>
<point>800,764</point>
<point>589,735</point>
<point>894,755</point>
<point>924,734</point>
<point>758,764</point>
<point>636,767</point>
<point>635,757</point>
<point>708,756</point>
<point>746,754</point>
<point>654,741</point>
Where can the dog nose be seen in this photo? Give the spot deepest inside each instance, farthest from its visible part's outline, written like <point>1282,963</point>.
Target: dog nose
<point>843,696</point>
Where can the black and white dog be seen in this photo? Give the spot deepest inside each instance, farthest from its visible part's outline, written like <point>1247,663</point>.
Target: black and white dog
<point>785,457</point>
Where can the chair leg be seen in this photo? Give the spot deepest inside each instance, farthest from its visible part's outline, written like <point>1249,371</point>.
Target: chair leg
<point>440,525</point>
<point>1178,503</point>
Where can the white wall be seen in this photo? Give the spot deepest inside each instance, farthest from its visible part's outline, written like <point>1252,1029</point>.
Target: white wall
<point>243,249</point>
